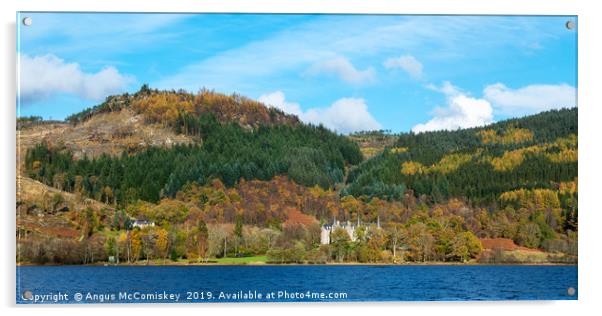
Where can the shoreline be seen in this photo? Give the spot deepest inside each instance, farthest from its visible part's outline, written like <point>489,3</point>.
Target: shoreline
<point>172,264</point>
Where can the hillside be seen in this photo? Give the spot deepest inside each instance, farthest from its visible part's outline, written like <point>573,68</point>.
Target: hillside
<point>372,143</point>
<point>222,174</point>
<point>149,144</point>
<point>53,223</point>
<point>131,122</point>
<point>45,198</point>
<point>478,164</point>
<point>105,133</point>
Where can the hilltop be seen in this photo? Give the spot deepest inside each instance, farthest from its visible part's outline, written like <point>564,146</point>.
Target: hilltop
<point>178,109</point>
<point>131,122</point>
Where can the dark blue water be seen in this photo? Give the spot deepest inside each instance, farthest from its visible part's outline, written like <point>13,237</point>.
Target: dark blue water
<point>145,284</point>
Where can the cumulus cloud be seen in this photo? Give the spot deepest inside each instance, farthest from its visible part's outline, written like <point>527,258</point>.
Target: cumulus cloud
<point>42,76</point>
<point>342,68</point>
<point>462,111</point>
<point>278,100</point>
<point>407,63</point>
<point>345,115</point>
<point>530,99</point>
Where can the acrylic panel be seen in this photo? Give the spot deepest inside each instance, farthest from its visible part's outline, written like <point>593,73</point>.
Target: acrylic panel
<point>190,158</point>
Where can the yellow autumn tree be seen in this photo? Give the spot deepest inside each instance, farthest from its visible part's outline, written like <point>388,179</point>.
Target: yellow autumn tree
<point>450,163</point>
<point>513,158</point>
<point>511,135</point>
<point>398,150</point>
<point>122,246</point>
<point>136,244</point>
<point>564,155</point>
<point>162,243</point>
<point>163,107</point>
<point>568,187</point>
<point>409,168</point>
<point>350,204</point>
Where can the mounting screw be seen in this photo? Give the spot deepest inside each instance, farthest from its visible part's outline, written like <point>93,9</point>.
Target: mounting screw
<point>570,24</point>
<point>27,295</point>
<point>570,291</point>
<point>27,21</point>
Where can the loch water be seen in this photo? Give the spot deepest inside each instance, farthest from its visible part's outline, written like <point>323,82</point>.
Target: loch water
<point>293,283</point>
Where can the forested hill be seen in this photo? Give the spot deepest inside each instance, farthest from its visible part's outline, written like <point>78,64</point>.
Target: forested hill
<point>234,138</point>
<point>181,109</point>
<point>482,165</point>
<point>227,176</point>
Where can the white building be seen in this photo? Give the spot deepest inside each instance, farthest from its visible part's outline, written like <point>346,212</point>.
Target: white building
<point>327,229</point>
<point>141,223</point>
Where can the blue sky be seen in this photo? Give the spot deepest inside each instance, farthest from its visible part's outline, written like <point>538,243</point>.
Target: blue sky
<point>348,72</point>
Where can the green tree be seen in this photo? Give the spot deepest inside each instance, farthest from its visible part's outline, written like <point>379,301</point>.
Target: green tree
<point>110,246</point>
<point>528,235</point>
<point>203,236</point>
<point>88,221</point>
<point>465,246</point>
<point>339,241</point>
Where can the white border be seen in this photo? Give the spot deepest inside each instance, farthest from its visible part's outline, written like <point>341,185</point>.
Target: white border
<point>590,99</point>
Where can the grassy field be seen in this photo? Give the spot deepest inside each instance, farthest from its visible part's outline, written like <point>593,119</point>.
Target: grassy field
<point>241,260</point>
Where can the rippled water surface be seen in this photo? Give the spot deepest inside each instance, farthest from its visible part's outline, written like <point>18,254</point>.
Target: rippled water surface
<point>171,284</point>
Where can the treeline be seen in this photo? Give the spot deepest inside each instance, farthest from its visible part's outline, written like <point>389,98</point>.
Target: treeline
<point>479,164</point>
<point>32,120</point>
<point>181,109</point>
<point>420,240</point>
<point>309,155</point>
<point>256,218</point>
<point>29,119</point>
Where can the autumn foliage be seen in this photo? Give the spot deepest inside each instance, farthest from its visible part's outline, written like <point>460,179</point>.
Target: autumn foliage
<point>258,182</point>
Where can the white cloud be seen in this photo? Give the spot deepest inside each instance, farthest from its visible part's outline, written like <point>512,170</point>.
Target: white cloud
<point>530,99</point>
<point>407,63</point>
<point>446,88</point>
<point>345,115</point>
<point>43,76</point>
<point>462,111</point>
<point>342,68</point>
<point>278,100</point>
<point>249,68</point>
